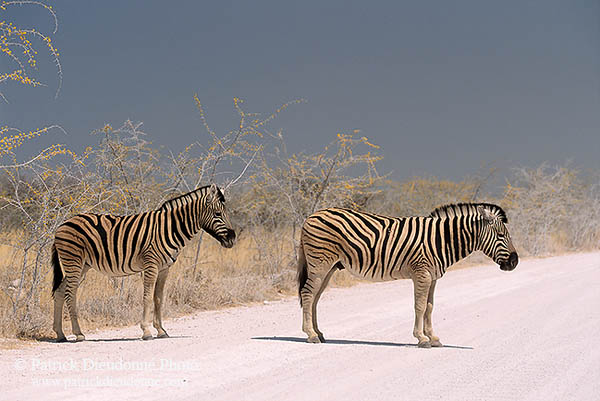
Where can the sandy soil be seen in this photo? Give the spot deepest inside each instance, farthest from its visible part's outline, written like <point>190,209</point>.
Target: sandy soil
<point>531,334</point>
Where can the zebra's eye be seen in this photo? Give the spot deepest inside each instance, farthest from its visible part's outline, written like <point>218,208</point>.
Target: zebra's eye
<point>218,215</point>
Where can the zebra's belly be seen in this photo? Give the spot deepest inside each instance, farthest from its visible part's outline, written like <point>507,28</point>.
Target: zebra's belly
<point>119,269</point>
<point>377,274</point>
<point>401,273</point>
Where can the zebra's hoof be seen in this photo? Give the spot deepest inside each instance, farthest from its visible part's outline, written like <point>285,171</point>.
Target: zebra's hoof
<point>79,338</point>
<point>163,335</point>
<point>315,340</point>
<point>436,343</point>
<point>148,337</point>
<point>62,339</point>
<point>424,344</point>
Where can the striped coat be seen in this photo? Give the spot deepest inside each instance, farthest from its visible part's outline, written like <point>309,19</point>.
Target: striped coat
<point>381,248</point>
<point>146,243</point>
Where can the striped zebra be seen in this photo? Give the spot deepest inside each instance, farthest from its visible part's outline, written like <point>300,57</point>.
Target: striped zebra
<point>380,248</point>
<point>122,245</point>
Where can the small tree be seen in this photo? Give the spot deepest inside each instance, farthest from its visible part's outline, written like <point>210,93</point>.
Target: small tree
<point>18,44</point>
<point>127,173</point>
<point>38,196</point>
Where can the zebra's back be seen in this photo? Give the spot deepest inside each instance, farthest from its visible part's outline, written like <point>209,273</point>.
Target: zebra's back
<point>111,244</point>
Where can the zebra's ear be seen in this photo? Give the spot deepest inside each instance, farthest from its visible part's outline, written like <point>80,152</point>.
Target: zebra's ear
<point>212,192</point>
<point>486,213</point>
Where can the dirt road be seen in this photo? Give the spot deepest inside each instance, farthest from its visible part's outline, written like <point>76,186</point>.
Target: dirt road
<point>531,334</point>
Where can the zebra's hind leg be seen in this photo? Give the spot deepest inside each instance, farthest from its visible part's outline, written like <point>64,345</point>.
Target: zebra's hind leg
<point>421,282</point>
<point>308,294</point>
<point>71,299</point>
<point>159,300</point>
<point>59,301</point>
<point>316,300</point>
<point>149,276</point>
<point>428,326</point>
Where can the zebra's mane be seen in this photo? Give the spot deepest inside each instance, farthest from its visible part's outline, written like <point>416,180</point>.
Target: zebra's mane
<point>187,196</point>
<point>465,209</point>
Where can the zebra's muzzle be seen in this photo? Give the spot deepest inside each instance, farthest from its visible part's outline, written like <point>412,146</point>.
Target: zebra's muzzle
<point>228,239</point>
<point>511,262</point>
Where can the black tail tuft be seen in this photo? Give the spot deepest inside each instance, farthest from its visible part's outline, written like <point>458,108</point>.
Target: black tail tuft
<point>58,274</point>
<point>302,271</point>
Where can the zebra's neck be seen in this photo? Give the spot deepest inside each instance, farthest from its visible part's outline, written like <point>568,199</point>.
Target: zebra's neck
<point>463,238</point>
<point>184,217</point>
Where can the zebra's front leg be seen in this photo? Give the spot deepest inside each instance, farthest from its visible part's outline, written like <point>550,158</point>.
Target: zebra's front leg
<point>421,282</point>
<point>159,300</point>
<point>149,276</point>
<point>428,329</point>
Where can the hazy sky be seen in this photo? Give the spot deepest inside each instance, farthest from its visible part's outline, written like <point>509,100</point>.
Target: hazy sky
<point>442,86</point>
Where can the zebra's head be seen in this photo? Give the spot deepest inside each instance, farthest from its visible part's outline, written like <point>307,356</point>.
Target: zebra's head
<point>494,239</point>
<point>217,222</point>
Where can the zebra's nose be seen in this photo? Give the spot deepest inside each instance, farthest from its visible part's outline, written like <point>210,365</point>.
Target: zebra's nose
<point>513,259</point>
<point>230,234</point>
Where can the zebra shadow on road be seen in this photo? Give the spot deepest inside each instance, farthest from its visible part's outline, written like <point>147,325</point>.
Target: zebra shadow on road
<point>353,342</point>
<point>101,340</point>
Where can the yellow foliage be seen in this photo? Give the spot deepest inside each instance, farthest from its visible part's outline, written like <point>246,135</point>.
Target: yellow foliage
<point>16,45</point>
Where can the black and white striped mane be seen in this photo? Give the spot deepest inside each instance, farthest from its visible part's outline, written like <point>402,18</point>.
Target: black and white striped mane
<point>188,197</point>
<point>466,209</point>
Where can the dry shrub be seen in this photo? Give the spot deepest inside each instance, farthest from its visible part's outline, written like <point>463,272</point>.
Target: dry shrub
<point>553,210</point>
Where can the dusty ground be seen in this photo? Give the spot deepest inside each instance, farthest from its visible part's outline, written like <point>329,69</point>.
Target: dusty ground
<point>531,334</point>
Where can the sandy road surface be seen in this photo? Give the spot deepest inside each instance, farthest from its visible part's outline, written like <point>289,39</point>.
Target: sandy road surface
<point>530,334</point>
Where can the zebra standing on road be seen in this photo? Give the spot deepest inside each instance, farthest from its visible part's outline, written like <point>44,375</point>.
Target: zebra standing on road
<point>379,248</point>
<point>122,245</point>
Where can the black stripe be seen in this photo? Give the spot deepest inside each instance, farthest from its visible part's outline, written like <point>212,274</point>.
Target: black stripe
<point>116,229</point>
<point>69,241</point>
<point>370,246</point>
<point>438,241</point>
<point>140,223</point>
<point>386,236</point>
<point>357,233</point>
<point>175,224</point>
<point>165,232</point>
<point>188,220</point>
<point>410,229</point>
<point>89,239</point>
<point>456,237</point>
<point>72,255</point>
<point>339,232</point>
<point>127,222</point>
<point>447,249</point>
<point>395,244</point>
<point>103,236</point>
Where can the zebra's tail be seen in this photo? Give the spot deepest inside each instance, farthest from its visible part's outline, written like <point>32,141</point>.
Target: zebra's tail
<point>58,274</point>
<point>302,271</point>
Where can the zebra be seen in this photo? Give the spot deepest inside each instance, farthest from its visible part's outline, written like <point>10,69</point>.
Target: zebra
<point>381,248</point>
<point>146,243</point>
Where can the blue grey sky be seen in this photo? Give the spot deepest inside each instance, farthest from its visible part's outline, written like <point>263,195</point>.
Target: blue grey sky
<point>442,86</point>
